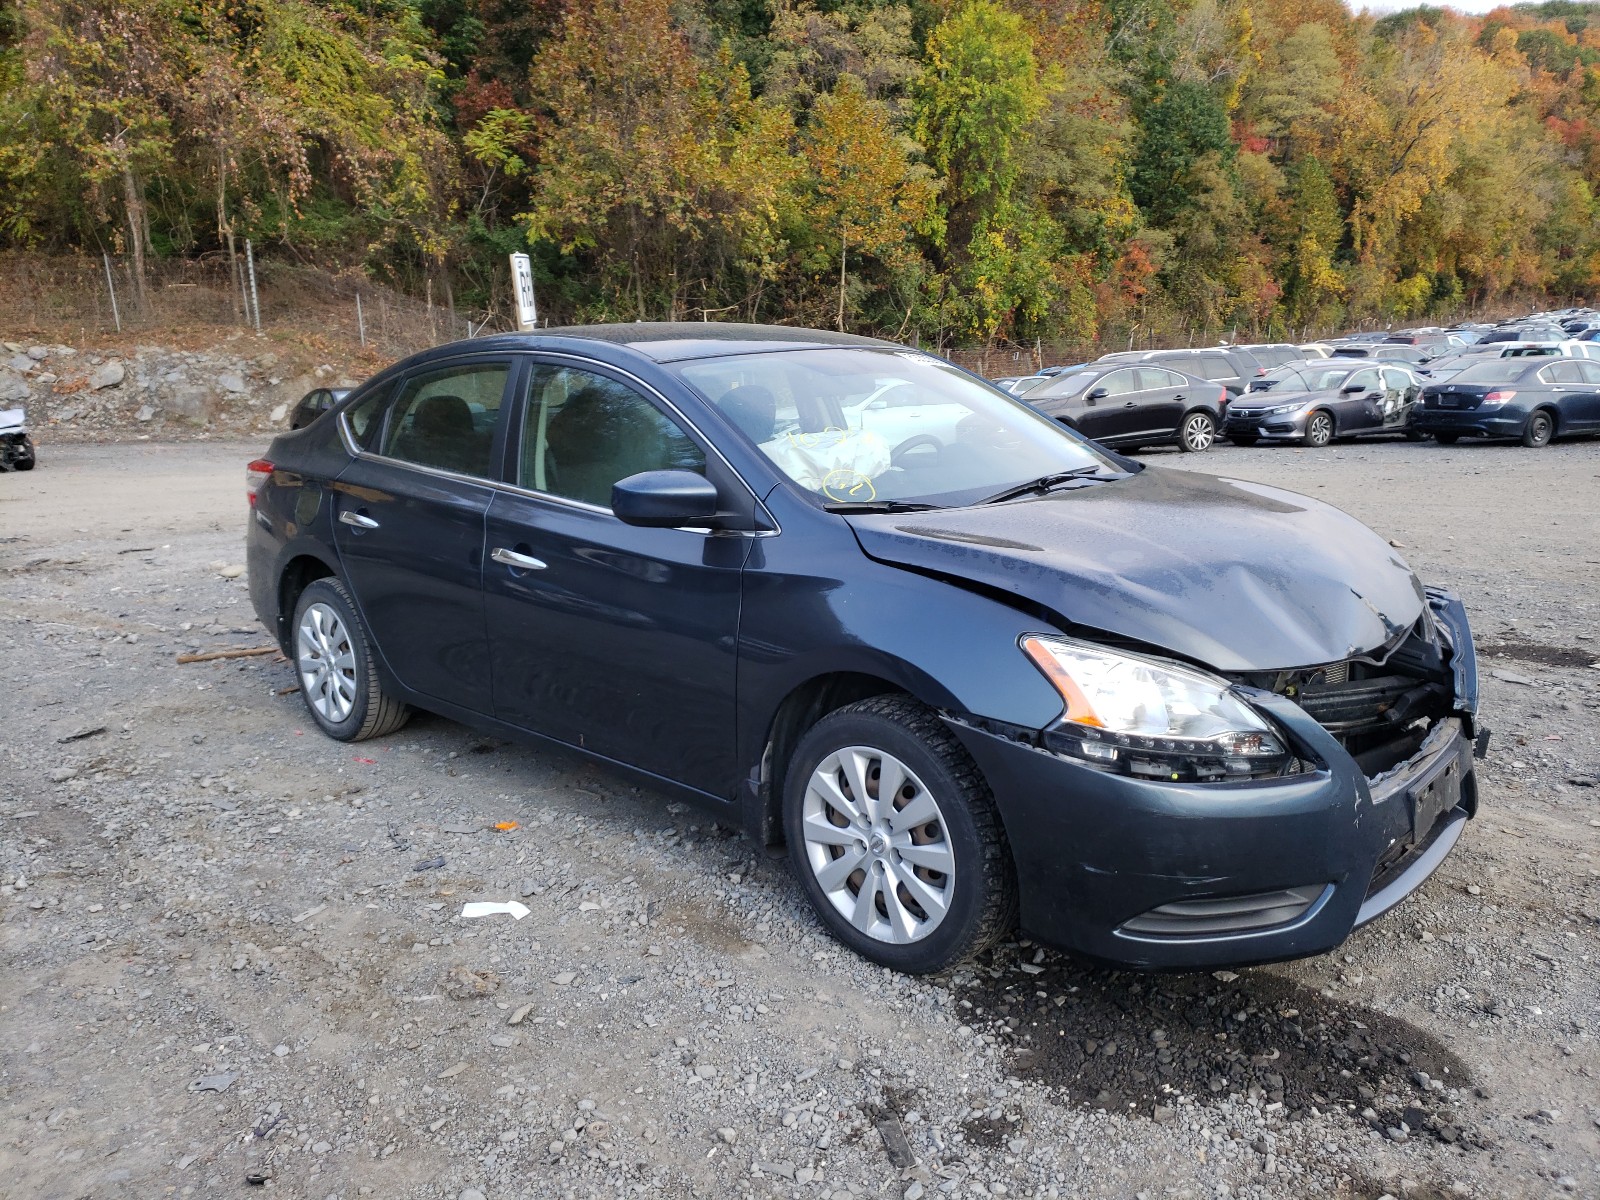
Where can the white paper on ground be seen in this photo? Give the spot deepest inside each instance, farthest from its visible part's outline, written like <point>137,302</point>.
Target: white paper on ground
<point>487,908</point>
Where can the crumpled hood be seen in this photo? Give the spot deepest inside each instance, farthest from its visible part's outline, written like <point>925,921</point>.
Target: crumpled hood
<point>1233,574</point>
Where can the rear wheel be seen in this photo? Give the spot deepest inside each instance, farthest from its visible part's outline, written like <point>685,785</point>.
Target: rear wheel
<point>1539,430</point>
<point>1447,439</point>
<point>1319,430</point>
<point>893,833</point>
<point>338,677</point>
<point>1198,431</point>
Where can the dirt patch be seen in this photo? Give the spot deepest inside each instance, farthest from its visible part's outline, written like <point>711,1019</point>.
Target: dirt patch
<point>1124,1042</point>
<point>1537,652</point>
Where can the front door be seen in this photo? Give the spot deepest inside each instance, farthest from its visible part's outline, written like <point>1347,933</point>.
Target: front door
<point>616,639</point>
<point>1360,404</point>
<point>408,525</point>
<point>1112,417</point>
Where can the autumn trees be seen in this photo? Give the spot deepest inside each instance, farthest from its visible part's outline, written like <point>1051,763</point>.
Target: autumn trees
<point>963,171</point>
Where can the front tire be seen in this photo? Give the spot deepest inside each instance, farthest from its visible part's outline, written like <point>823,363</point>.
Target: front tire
<point>1197,433</point>
<point>917,880</point>
<point>1539,430</point>
<point>338,675</point>
<point>1319,430</point>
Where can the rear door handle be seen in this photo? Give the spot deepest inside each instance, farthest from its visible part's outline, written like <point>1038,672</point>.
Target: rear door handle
<point>359,520</point>
<point>522,562</point>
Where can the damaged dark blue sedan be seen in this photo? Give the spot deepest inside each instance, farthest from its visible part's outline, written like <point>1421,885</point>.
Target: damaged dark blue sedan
<point>970,669</point>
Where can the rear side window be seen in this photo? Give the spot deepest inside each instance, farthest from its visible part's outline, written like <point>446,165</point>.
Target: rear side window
<point>446,418</point>
<point>365,417</point>
<point>1591,371</point>
<point>1563,372</point>
<point>1215,366</point>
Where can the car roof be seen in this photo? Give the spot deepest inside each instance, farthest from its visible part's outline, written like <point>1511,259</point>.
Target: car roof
<point>666,341</point>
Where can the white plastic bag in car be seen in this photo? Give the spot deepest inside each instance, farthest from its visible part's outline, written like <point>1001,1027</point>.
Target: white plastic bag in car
<point>839,463</point>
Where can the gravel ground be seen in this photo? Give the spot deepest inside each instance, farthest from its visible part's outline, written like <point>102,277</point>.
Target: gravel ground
<point>230,959</point>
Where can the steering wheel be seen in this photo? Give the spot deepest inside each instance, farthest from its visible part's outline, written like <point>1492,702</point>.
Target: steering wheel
<point>910,445</point>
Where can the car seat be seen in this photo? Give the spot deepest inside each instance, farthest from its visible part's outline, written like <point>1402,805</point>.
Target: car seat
<point>442,435</point>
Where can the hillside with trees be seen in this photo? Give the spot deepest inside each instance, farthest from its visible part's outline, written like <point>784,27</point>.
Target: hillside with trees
<point>960,171</point>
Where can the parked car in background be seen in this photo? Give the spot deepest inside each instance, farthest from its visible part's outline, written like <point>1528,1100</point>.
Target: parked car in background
<point>903,417</point>
<point>1315,402</point>
<point>1565,348</point>
<point>1132,406</point>
<point>1230,366</point>
<point>1315,350</point>
<point>313,404</point>
<point>1404,354</point>
<point>1272,354</point>
<point>1524,333</point>
<point>1531,400</point>
<point>1157,718</point>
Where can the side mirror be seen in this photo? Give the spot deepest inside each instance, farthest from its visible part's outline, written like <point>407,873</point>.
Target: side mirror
<point>1098,393</point>
<point>1351,389</point>
<point>878,405</point>
<point>664,499</point>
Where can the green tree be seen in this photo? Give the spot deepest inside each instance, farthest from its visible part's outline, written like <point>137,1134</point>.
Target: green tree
<point>866,191</point>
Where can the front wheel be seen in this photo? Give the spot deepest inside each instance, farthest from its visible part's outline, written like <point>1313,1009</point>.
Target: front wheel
<point>1198,431</point>
<point>1319,430</point>
<point>1539,430</point>
<point>338,677</point>
<point>893,833</point>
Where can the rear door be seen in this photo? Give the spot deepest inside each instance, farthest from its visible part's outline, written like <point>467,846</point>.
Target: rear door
<point>409,519</point>
<point>1398,390</point>
<point>1163,398</point>
<point>609,637</point>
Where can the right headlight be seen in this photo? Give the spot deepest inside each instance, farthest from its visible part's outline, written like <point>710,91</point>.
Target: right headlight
<point>1160,720</point>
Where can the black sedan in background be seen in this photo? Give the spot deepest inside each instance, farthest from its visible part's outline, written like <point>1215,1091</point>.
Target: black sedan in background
<point>1128,407</point>
<point>1159,718</point>
<point>1314,402</point>
<point>313,404</point>
<point>1531,400</point>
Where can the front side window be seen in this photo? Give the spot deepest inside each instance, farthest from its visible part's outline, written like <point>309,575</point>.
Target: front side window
<point>582,432</point>
<point>963,441</point>
<point>446,418</point>
<point>1363,381</point>
<point>1120,383</point>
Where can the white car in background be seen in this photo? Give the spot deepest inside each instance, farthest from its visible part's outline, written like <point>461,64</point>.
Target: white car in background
<point>904,416</point>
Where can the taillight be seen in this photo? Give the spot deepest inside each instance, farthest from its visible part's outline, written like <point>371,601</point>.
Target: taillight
<point>255,474</point>
<point>1498,397</point>
<point>1222,398</point>
<point>1261,370</point>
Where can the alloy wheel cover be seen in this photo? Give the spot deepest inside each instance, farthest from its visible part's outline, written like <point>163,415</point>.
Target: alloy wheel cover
<point>877,844</point>
<point>326,663</point>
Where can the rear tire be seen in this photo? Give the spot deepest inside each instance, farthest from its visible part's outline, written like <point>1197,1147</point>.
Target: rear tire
<point>1319,430</point>
<point>1197,433</point>
<point>871,870</point>
<point>1539,430</point>
<point>338,674</point>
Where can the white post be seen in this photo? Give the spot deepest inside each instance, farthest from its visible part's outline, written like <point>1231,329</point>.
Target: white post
<point>361,322</point>
<point>115,315</point>
<point>255,297</point>
<point>522,292</point>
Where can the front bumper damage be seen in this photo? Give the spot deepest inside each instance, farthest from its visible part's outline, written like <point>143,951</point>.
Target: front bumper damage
<point>1156,875</point>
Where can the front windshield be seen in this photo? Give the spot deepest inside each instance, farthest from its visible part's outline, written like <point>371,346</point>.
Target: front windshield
<point>1309,379</point>
<point>861,425</point>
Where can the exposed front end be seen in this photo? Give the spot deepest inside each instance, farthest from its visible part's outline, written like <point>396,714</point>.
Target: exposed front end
<point>1166,859</point>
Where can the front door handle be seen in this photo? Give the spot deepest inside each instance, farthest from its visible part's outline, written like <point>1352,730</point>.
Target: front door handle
<point>522,562</point>
<point>359,520</point>
<point>1130,404</point>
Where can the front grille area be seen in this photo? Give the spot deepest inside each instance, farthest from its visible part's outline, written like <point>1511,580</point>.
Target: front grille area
<point>1228,914</point>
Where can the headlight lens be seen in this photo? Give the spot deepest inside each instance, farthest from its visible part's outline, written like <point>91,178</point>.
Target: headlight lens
<point>1285,408</point>
<point>1151,718</point>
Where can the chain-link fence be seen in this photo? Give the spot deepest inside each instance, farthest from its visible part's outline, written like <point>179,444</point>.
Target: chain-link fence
<point>73,299</point>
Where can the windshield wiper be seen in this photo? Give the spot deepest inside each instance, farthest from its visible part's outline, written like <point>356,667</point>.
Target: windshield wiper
<point>877,506</point>
<point>1042,484</point>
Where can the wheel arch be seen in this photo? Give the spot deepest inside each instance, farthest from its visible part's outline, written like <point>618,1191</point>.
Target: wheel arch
<point>804,705</point>
<point>1551,411</point>
<point>298,573</point>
